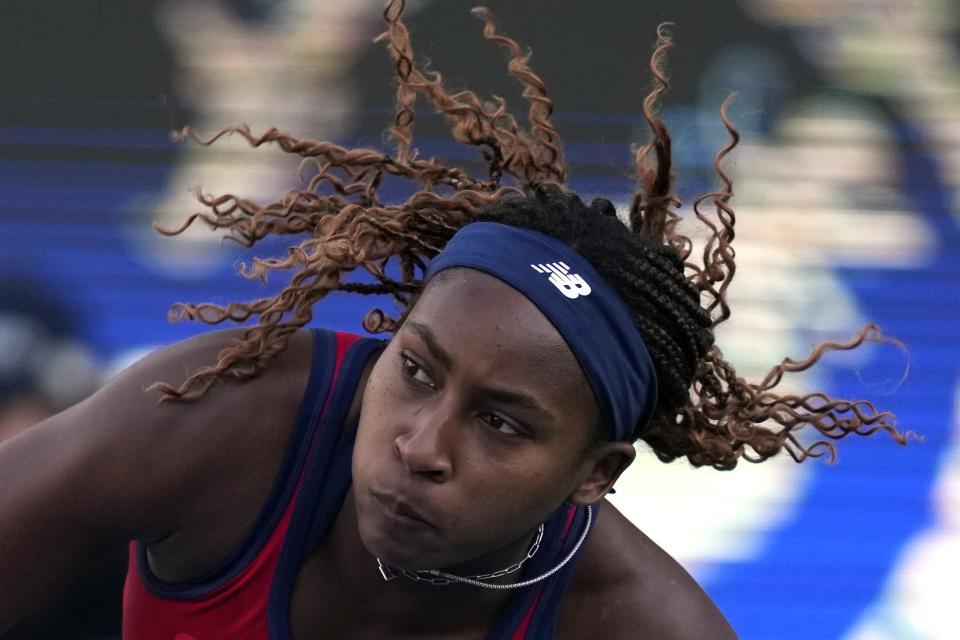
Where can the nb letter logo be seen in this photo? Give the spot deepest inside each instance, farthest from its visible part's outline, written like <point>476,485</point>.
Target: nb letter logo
<point>569,284</point>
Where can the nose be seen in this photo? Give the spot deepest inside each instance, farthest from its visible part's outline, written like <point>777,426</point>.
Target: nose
<point>426,447</point>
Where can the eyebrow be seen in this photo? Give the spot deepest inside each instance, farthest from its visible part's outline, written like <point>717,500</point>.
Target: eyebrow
<point>495,394</point>
<point>515,398</point>
<point>430,340</point>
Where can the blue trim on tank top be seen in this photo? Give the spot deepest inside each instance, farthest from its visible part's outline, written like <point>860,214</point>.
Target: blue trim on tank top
<point>324,488</point>
<point>308,420</point>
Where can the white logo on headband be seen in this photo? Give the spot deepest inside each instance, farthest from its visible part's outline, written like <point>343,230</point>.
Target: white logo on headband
<point>570,284</point>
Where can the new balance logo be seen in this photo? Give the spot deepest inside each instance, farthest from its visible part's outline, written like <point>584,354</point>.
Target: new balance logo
<point>569,284</point>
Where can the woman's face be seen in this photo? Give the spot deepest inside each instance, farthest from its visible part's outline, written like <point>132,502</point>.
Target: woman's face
<point>474,427</point>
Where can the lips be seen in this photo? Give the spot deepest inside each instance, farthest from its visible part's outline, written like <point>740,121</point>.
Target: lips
<point>399,508</point>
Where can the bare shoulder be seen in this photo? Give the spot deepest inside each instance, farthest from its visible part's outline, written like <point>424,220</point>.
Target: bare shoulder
<point>233,421</point>
<point>151,452</point>
<point>201,445</point>
<point>122,465</point>
<point>626,586</point>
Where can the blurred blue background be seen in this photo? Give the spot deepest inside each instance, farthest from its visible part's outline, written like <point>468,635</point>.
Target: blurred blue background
<point>846,185</point>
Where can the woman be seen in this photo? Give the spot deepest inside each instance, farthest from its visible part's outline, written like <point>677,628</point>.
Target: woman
<point>448,483</point>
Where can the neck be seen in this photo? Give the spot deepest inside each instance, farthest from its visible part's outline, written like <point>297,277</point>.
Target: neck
<point>455,605</point>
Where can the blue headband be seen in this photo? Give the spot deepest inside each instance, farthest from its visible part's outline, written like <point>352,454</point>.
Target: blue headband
<point>587,312</point>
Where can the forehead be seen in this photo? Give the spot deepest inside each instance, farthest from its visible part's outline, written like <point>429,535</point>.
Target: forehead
<point>493,329</point>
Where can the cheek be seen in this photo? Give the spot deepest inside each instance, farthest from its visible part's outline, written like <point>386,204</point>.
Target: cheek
<point>379,395</point>
<point>372,428</point>
<point>381,415</point>
<point>518,493</point>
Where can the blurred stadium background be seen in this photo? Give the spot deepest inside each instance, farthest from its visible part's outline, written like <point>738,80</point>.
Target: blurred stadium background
<point>847,183</point>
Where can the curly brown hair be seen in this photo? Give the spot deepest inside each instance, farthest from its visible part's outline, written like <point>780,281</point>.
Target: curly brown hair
<point>706,413</point>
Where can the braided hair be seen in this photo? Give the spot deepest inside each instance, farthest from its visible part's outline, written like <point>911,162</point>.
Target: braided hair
<point>705,412</point>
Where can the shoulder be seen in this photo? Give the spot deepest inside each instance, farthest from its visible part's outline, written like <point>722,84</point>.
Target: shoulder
<point>175,362</point>
<point>133,389</point>
<point>150,452</point>
<point>236,424</point>
<point>122,465</point>
<point>130,403</point>
<point>627,586</point>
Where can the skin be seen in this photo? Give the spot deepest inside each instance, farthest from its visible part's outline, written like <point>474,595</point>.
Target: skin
<point>93,603</point>
<point>452,425</point>
<point>438,435</point>
<point>20,413</point>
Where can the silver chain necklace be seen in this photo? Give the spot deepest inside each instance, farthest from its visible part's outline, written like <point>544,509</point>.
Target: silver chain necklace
<point>439,578</point>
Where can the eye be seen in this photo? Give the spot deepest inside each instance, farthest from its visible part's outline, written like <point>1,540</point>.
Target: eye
<point>500,425</point>
<point>414,371</point>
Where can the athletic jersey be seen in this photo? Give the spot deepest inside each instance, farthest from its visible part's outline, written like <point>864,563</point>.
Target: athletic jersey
<point>248,596</point>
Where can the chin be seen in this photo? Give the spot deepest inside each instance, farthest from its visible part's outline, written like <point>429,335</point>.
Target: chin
<point>395,552</point>
<point>402,546</point>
